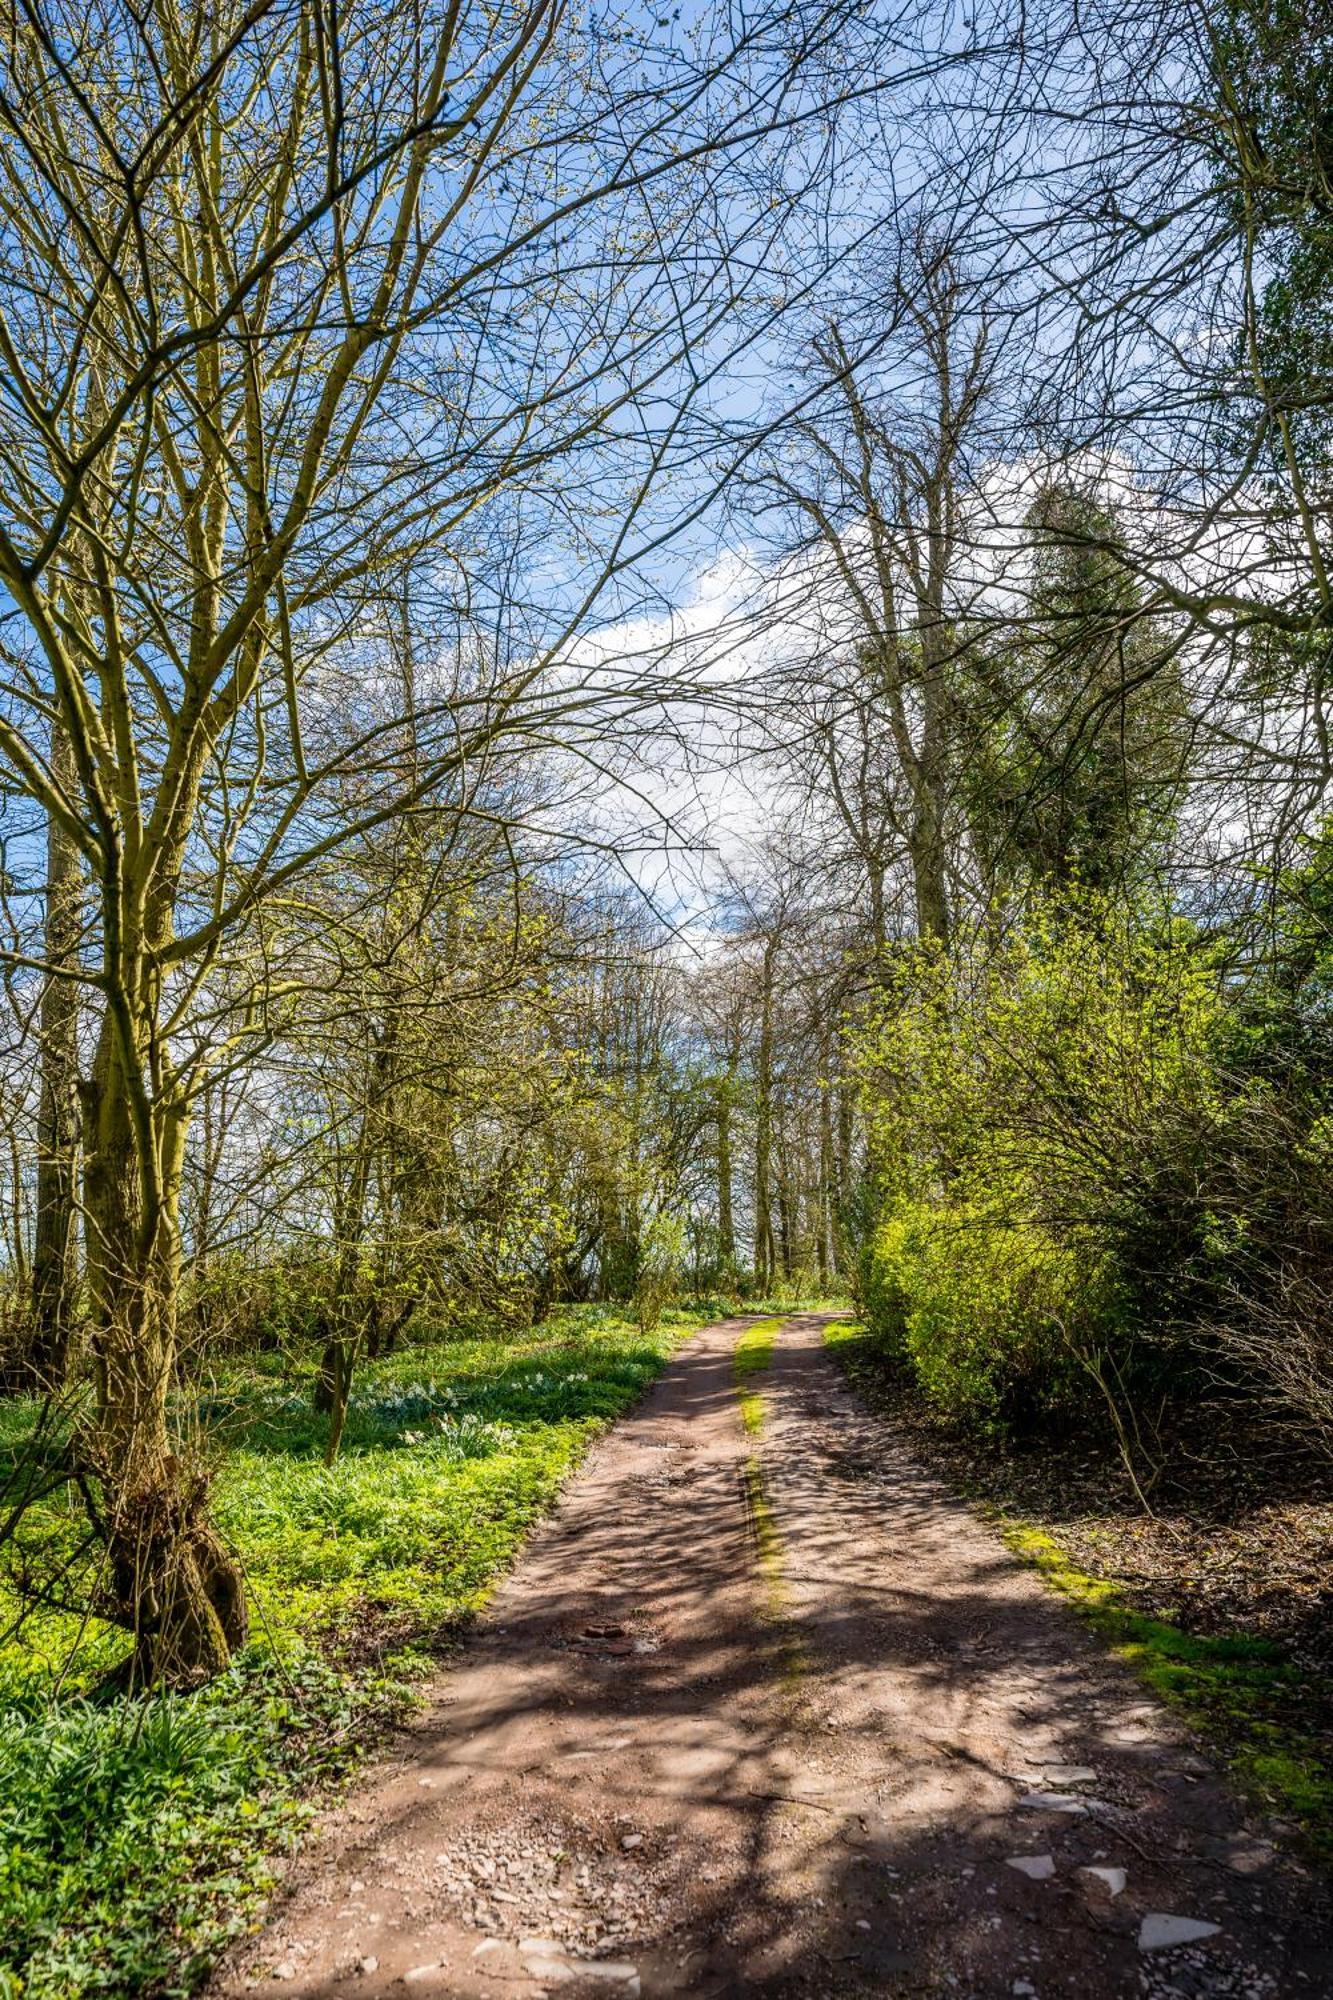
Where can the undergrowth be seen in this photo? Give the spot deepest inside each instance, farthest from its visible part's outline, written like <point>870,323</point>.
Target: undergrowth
<point>136,1837</point>
<point>786,1298</point>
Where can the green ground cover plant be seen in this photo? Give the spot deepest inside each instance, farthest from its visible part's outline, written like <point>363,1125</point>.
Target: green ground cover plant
<point>795,1297</point>
<point>136,1836</point>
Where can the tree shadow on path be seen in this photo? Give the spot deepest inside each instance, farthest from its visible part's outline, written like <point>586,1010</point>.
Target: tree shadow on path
<point>761,1715</point>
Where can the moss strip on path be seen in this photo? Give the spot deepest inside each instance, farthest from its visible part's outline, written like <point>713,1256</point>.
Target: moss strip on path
<point>136,1837</point>
<point>754,1351</point>
<point>1236,1689</point>
<point>753,1354</point>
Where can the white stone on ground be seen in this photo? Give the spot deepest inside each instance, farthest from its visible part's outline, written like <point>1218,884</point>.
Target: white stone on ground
<point>1114,1878</point>
<point>1037,1867</point>
<point>1159,1931</point>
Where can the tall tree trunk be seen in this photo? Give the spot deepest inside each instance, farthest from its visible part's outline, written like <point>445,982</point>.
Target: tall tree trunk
<point>55,1237</point>
<point>786,1204</point>
<point>764,1257</point>
<point>929,855</point>
<point>726,1227</point>
<point>828,1244</point>
<point>170,1580</point>
<point>334,1386</point>
<point>879,919</point>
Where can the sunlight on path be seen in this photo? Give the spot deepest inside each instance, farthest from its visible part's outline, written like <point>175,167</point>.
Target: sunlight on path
<point>764,1710</point>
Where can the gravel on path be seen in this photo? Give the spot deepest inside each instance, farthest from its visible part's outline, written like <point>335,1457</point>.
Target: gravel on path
<point>773,1713</point>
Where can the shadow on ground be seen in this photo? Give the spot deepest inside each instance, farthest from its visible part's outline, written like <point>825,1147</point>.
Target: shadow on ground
<point>777,1717</point>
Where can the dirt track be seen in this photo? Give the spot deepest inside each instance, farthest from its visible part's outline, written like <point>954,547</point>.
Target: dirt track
<point>769,1715</point>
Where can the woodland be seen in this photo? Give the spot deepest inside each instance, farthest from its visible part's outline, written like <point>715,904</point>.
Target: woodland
<point>649,666</point>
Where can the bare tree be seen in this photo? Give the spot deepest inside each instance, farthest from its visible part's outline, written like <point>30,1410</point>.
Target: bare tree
<point>297,302</point>
<point>877,484</point>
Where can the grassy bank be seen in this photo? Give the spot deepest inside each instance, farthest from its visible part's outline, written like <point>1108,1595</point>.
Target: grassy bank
<point>1253,1695</point>
<point>136,1837</point>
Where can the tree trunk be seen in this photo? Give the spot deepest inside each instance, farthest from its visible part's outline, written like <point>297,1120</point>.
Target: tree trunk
<point>169,1579</point>
<point>334,1387</point>
<point>828,1246</point>
<point>786,1216</point>
<point>930,871</point>
<point>726,1227</point>
<point>339,1363</point>
<point>55,1242</point>
<point>764,1257</point>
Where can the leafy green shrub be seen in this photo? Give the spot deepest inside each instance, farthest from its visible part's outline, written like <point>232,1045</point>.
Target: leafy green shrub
<point>1042,1118</point>
<point>886,1282</point>
<point>661,1254</point>
<point>986,1314</point>
<point>238,1307</point>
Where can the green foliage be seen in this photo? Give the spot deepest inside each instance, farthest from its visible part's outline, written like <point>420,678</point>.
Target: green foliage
<point>133,1837</point>
<point>1075,779</point>
<point>1103,1158</point>
<point>980,1310</point>
<point>1038,1117</point>
<point>797,1294</point>
<point>661,1256</point>
<point>239,1305</point>
<point>1277,56</point>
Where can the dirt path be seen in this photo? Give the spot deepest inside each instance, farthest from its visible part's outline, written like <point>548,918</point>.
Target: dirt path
<point>774,1714</point>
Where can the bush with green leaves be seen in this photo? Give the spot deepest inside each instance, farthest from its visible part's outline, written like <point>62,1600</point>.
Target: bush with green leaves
<point>661,1257</point>
<point>988,1314</point>
<point>1039,1116</point>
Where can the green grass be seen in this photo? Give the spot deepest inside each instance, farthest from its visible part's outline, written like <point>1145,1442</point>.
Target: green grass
<point>847,1337</point>
<point>752,1354</point>
<point>1235,1689</point>
<point>787,1299</point>
<point>764,1534</point>
<point>135,1837</point>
